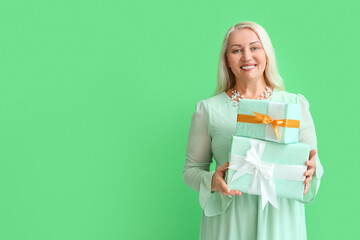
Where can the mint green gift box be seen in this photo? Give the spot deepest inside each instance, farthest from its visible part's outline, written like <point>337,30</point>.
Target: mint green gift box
<point>277,111</point>
<point>251,160</point>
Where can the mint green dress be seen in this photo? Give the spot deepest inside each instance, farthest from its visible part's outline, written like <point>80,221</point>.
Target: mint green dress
<point>241,217</point>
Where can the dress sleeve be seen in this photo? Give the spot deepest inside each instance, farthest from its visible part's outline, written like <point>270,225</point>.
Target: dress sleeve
<point>307,135</point>
<point>199,155</point>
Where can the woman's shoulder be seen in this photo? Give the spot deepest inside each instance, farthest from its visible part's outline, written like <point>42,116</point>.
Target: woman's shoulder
<point>281,95</point>
<point>215,101</point>
<point>219,97</point>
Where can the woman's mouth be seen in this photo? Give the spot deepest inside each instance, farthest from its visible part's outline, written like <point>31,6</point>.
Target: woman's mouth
<point>248,67</point>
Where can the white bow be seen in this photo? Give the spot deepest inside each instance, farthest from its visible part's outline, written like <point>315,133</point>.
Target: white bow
<point>262,172</point>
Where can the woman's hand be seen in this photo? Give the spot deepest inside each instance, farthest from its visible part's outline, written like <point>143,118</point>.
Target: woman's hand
<point>311,170</point>
<point>218,182</point>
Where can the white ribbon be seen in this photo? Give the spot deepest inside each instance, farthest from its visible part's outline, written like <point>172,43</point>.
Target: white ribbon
<point>263,172</point>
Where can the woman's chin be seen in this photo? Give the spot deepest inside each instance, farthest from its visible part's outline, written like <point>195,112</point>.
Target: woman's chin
<point>248,77</point>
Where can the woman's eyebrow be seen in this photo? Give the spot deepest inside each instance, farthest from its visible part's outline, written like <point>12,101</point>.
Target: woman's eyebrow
<point>240,44</point>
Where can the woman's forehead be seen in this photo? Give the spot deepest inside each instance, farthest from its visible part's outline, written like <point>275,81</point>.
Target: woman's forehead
<point>243,36</point>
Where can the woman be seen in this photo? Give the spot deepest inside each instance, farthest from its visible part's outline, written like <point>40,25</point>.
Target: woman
<point>247,69</point>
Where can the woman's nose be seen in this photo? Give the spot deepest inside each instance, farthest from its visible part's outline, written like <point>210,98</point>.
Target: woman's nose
<point>247,56</point>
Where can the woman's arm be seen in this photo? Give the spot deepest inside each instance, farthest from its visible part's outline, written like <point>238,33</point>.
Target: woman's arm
<point>198,159</point>
<point>307,135</point>
<point>196,173</point>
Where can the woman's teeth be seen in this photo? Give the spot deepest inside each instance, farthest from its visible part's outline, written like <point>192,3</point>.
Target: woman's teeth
<point>248,67</point>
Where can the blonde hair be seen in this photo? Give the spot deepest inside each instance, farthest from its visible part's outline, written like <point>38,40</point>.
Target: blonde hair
<point>225,77</point>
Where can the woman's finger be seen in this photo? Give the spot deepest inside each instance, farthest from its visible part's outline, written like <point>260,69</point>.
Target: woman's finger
<point>222,186</point>
<point>226,165</point>
<point>223,168</point>
<point>310,172</point>
<point>312,153</point>
<point>306,188</point>
<point>226,191</point>
<point>235,192</point>
<point>311,164</point>
<point>312,156</point>
<point>308,179</point>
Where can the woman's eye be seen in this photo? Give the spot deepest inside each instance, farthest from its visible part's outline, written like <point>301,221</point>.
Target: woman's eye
<point>255,48</point>
<point>237,50</point>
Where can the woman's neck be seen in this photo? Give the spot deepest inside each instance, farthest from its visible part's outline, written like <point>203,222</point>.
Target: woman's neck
<point>250,89</point>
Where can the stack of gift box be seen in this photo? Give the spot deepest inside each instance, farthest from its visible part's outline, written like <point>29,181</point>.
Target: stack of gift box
<point>266,158</point>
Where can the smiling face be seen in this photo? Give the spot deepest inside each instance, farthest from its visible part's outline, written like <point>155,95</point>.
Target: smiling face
<point>245,55</point>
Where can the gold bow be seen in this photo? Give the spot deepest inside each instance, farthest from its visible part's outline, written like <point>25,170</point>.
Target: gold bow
<point>260,118</point>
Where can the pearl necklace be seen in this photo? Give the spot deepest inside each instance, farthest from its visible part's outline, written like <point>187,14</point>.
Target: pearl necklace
<point>264,96</point>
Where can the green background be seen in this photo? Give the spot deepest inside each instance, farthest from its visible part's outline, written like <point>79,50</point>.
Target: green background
<point>96,100</point>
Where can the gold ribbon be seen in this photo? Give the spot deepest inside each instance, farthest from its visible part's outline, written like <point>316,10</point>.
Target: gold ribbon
<point>260,118</point>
